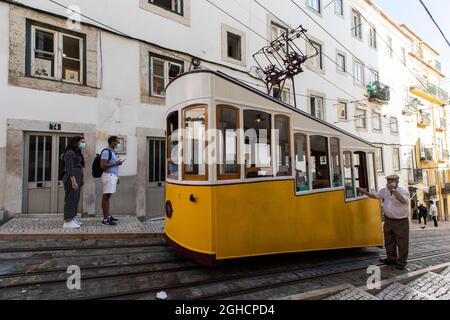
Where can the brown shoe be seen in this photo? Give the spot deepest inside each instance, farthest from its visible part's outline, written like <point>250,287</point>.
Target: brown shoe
<point>387,261</point>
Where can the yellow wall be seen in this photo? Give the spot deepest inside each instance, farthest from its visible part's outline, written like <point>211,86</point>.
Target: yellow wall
<point>263,218</point>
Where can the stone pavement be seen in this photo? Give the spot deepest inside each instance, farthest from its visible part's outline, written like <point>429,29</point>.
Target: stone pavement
<point>51,224</point>
<point>443,225</point>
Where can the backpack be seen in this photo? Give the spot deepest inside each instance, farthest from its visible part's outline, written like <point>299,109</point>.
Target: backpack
<point>97,170</point>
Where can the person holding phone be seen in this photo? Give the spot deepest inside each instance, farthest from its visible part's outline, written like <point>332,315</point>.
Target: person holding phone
<point>110,164</point>
<point>396,225</point>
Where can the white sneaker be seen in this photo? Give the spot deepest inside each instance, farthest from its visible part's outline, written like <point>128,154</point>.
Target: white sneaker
<point>71,225</point>
<point>77,222</point>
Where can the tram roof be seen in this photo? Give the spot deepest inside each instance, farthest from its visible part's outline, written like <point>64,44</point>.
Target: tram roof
<point>269,97</point>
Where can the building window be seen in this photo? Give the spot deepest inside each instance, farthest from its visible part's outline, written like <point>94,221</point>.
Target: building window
<point>396,158</point>
<point>373,37</point>
<point>194,150</point>
<point>175,6</point>
<point>361,118</point>
<point>341,63</point>
<point>320,166</point>
<point>172,145</point>
<point>301,162</point>
<point>257,125</point>
<point>358,72</point>
<point>284,95</point>
<point>356,24</point>
<point>349,178</point>
<point>283,147</point>
<point>376,121</point>
<point>162,71</point>
<point>276,30</point>
<point>390,47</point>
<point>394,125</point>
<point>317,109</point>
<point>373,76</point>
<point>315,5</point>
<point>339,7</point>
<point>342,111</point>
<point>57,55</point>
<point>234,47</point>
<point>227,153</point>
<point>335,152</point>
<point>314,50</point>
<point>379,162</point>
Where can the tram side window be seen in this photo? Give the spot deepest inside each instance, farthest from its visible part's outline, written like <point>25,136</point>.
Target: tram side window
<point>257,131</point>
<point>194,151</point>
<point>319,162</point>
<point>301,162</point>
<point>172,145</point>
<point>348,176</point>
<point>227,124</point>
<point>360,164</point>
<point>372,172</point>
<point>336,162</point>
<point>283,152</point>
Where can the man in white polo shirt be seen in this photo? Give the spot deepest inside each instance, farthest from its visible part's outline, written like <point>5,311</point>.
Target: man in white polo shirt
<point>396,225</point>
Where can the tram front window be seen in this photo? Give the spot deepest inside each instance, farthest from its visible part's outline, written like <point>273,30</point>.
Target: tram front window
<point>194,151</point>
<point>301,162</point>
<point>257,127</point>
<point>336,162</point>
<point>283,154</point>
<point>172,145</point>
<point>227,120</point>
<point>319,163</point>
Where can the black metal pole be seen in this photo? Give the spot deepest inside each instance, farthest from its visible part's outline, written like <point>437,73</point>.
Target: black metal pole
<point>293,90</point>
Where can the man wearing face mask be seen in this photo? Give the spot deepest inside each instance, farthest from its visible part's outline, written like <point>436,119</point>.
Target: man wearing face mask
<point>110,164</point>
<point>396,226</point>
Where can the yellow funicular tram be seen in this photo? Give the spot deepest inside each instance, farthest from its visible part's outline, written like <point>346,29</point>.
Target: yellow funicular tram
<point>294,191</point>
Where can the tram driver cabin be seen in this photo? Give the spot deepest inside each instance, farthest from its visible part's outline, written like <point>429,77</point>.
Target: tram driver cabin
<point>288,186</point>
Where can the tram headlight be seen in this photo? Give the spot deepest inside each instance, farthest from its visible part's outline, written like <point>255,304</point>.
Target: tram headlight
<point>169,209</point>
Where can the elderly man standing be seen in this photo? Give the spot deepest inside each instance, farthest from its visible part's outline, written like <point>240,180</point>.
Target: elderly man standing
<point>396,226</point>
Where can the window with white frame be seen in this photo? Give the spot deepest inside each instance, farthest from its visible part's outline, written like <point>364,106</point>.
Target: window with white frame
<point>315,5</point>
<point>373,76</point>
<point>376,121</point>
<point>342,111</point>
<point>373,37</point>
<point>358,72</point>
<point>356,24</point>
<point>396,158</point>
<point>361,118</point>
<point>390,47</point>
<point>341,63</point>
<point>234,46</point>
<point>57,54</point>
<point>283,95</point>
<point>379,159</point>
<point>317,108</point>
<point>394,125</point>
<point>339,7</point>
<point>162,71</point>
<point>276,30</point>
<point>175,6</point>
<point>314,49</point>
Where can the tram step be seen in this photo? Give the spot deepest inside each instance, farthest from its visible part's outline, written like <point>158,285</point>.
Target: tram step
<point>352,293</point>
<point>398,291</point>
<point>446,272</point>
<point>432,284</point>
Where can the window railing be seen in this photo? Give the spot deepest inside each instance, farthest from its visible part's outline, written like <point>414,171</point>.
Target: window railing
<point>442,125</point>
<point>415,176</point>
<point>379,92</point>
<point>432,192</point>
<point>446,189</point>
<point>443,155</point>
<point>411,106</point>
<point>424,119</point>
<point>426,154</point>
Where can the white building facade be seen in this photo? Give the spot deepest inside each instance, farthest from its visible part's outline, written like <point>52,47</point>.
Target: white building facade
<point>106,76</point>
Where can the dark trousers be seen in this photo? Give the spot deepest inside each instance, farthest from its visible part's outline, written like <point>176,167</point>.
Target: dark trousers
<point>424,216</point>
<point>72,196</point>
<point>435,222</point>
<point>396,240</point>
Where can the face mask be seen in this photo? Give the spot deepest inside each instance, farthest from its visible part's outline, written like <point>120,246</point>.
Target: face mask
<point>118,146</point>
<point>82,146</point>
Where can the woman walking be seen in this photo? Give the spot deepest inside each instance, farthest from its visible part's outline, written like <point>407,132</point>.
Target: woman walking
<point>73,181</point>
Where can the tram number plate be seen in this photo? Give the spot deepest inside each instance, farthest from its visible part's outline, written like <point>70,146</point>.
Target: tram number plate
<point>54,126</point>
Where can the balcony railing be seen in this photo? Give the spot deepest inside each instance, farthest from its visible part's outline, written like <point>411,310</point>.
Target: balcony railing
<point>432,192</point>
<point>426,154</point>
<point>379,92</point>
<point>442,125</point>
<point>411,106</point>
<point>443,155</point>
<point>446,189</point>
<point>425,85</point>
<point>424,119</point>
<point>415,176</point>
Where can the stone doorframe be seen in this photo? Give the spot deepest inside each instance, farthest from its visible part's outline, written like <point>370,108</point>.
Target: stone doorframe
<point>142,135</point>
<point>15,148</point>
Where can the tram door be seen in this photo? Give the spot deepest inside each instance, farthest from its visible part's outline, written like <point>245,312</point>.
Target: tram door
<point>156,177</point>
<point>43,187</point>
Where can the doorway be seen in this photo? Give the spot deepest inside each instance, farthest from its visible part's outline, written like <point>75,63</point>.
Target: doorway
<point>43,171</point>
<point>156,177</point>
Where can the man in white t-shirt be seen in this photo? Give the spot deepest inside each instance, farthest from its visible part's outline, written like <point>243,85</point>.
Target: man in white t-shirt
<point>396,225</point>
<point>434,213</point>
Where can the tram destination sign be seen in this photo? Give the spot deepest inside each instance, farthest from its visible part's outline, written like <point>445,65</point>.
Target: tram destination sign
<point>54,126</point>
